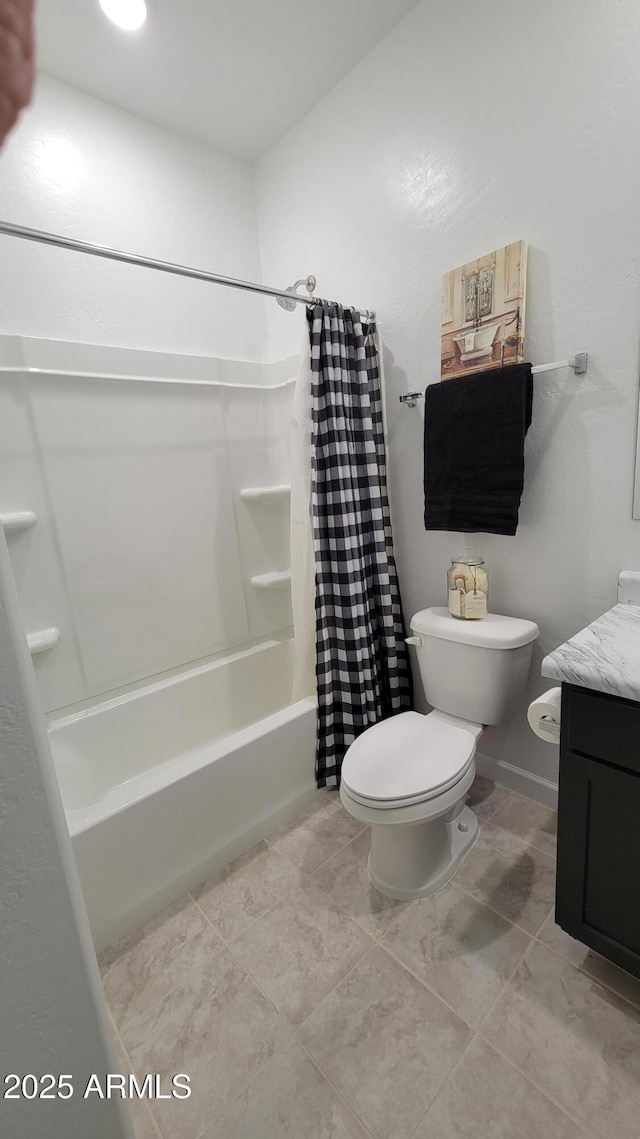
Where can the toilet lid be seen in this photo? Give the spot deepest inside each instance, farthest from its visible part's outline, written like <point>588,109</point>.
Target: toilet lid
<point>408,759</point>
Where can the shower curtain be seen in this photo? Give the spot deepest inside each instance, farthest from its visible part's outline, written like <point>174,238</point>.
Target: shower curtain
<point>362,667</point>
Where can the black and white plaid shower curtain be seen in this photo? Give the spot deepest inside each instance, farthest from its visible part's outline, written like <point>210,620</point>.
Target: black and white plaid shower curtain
<point>362,665</point>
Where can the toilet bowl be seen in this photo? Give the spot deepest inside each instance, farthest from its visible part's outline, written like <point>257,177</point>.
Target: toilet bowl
<point>420,828</point>
<point>408,777</point>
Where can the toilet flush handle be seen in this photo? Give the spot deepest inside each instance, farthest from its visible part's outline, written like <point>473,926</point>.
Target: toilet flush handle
<point>417,641</point>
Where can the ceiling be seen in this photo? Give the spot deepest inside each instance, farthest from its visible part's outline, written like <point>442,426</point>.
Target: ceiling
<point>236,74</point>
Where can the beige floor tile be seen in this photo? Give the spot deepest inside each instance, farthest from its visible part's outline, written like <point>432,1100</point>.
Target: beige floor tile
<point>215,1026</point>
<point>486,1098</point>
<point>345,878</point>
<point>316,833</point>
<point>386,1043</point>
<point>290,1099</point>
<point>510,877</point>
<point>300,950</point>
<point>149,963</point>
<point>144,1126</point>
<point>608,974</point>
<point>529,821</point>
<point>246,888</point>
<point>107,956</point>
<point>332,793</point>
<point>485,797</point>
<point>574,1039</point>
<point>461,949</point>
<point>142,1121</point>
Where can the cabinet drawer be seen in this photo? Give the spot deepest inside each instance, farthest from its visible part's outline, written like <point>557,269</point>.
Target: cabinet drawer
<point>602,726</point>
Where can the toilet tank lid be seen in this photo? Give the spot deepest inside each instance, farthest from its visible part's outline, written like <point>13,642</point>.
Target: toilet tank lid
<point>491,632</point>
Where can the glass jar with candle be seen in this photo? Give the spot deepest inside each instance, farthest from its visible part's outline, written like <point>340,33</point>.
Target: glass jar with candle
<point>468,583</point>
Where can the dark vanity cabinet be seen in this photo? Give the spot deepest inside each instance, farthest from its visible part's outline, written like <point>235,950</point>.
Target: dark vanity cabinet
<point>598,885</point>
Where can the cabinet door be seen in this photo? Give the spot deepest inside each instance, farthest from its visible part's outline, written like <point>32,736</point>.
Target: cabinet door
<point>598,887</point>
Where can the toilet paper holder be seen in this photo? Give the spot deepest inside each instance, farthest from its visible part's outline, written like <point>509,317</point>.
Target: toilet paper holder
<point>545,722</point>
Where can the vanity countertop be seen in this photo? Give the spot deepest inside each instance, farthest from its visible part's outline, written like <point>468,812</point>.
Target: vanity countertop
<point>605,656</point>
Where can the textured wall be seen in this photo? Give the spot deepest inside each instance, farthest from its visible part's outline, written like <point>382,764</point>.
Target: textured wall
<point>83,169</point>
<point>52,1013</point>
<point>470,126</point>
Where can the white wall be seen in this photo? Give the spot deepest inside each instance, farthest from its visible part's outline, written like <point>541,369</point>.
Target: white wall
<point>80,168</point>
<point>53,1016</point>
<point>471,126</point>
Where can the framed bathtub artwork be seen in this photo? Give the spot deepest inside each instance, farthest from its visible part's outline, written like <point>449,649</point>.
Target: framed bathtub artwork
<point>483,311</point>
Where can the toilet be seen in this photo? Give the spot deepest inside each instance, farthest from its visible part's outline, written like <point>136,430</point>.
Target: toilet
<point>407,777</point>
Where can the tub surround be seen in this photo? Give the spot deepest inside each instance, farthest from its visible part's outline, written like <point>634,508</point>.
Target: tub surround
<point>606,655</point>
<point>111,611</point>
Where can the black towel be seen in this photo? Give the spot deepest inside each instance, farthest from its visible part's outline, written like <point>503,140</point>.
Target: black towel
<point>474,450</point>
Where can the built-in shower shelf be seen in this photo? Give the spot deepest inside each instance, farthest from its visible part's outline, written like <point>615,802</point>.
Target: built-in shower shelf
<point>272,580</point>
<point>266,492</point>
<point>43,640</point>
<point>17,520</point>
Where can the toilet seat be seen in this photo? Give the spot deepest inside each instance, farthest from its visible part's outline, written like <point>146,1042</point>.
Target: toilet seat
<point>408,759</point>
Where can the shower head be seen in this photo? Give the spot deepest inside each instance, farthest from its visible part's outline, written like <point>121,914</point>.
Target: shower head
<point>309,284</point>
<point>288,306</point>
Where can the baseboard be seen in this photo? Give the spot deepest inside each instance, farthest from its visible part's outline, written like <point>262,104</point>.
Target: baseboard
<point>517,779</point>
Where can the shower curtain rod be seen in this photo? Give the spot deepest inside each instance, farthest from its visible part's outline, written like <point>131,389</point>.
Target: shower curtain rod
<point>44,238</point>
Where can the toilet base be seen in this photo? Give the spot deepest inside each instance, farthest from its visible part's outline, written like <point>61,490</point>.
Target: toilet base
<point>415,859</point>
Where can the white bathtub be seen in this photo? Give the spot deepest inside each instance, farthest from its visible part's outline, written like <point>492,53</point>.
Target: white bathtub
<point>165,784</point>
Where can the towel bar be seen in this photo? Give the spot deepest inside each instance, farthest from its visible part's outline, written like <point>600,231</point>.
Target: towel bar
<point>579,363</point>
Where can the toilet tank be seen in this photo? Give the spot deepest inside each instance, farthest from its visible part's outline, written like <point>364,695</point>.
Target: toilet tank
<point>475,670</point>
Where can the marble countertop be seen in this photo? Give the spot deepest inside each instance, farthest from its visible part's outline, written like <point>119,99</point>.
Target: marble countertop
<point>606,655</point>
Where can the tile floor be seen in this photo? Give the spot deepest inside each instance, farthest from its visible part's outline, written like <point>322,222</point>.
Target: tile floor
<point>304,1005</point>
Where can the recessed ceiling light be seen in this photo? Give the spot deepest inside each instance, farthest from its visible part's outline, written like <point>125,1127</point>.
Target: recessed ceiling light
<point>127,14</point>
